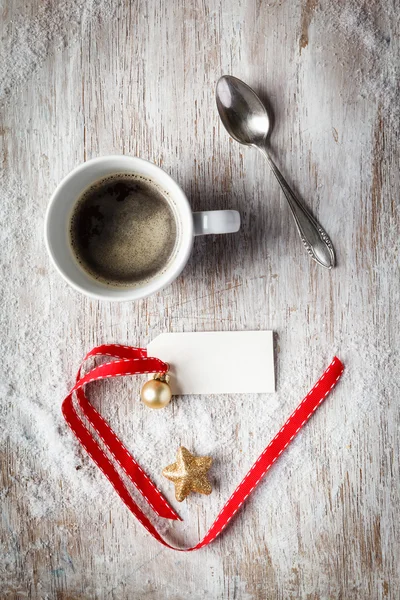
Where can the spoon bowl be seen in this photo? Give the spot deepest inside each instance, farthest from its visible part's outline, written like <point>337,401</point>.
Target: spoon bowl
<point>236,99</point>
<point>246,119</point>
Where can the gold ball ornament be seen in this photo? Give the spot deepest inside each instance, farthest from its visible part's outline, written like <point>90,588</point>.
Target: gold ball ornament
<point>156,393</point>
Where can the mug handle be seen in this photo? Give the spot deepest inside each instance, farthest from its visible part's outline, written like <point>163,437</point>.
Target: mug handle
<point>216,221</point>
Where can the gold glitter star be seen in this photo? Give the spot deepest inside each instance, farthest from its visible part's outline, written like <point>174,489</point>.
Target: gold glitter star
<point>189,474</point>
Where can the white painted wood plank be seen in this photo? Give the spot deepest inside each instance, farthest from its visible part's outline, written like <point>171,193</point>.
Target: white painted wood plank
<point>138,78</point>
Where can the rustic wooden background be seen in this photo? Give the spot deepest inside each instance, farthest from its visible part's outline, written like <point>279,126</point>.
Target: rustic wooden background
<point>98,77</point>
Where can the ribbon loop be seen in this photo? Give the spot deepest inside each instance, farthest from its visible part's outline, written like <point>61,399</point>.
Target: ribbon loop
<point>133,361</point>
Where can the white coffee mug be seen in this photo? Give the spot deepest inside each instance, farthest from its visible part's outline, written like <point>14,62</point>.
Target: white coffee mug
<point>189,224</point>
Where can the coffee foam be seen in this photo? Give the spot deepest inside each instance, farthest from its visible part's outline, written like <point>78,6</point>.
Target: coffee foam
<point>126,235</point>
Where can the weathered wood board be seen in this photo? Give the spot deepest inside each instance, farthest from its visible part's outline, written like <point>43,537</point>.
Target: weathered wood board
<point>83,79</point>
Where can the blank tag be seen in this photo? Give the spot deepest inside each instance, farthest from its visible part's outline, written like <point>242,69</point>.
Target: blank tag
<point>236,362</point>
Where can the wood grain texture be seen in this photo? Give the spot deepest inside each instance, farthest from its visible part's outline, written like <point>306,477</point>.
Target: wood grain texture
<point>138,77</point>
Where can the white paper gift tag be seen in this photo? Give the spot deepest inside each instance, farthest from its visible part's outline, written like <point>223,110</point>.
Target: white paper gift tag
<point>237,362</point>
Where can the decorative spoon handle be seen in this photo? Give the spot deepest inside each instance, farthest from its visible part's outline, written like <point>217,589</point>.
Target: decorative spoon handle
<point>315,239</point>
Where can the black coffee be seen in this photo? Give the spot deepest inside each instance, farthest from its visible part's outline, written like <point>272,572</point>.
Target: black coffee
<point>123,230</point>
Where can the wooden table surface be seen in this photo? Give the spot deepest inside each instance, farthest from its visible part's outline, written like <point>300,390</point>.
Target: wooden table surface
<point>85,79</point>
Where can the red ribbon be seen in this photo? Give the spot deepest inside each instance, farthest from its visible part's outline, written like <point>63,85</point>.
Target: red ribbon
<point>133,361</point>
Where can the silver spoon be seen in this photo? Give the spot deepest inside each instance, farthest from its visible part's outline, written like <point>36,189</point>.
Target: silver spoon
<point>246,119</point>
